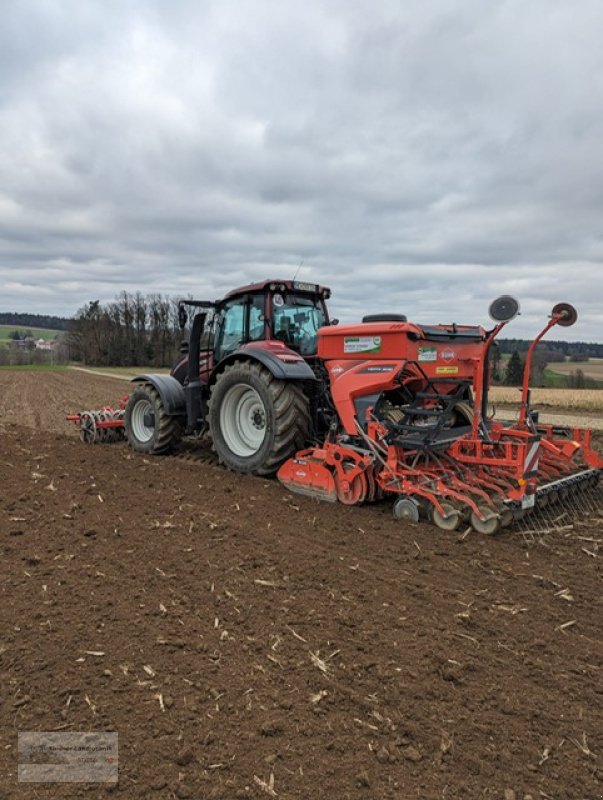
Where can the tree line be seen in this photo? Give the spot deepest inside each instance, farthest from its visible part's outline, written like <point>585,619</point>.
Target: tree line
<point>34,320</point>
<point>133,330</point>
<point>575,351</point>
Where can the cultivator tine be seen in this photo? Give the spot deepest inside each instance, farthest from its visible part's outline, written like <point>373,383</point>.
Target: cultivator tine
<point>594,499</point>
<point>532,527</point>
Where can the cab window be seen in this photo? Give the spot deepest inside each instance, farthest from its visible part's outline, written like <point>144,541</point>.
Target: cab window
<point>231,329</point>
<point>238,322</point>
<point>256,318</point>
<point>296,320</point>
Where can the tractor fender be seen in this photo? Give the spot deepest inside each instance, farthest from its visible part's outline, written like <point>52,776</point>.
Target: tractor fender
<point>170,391</point>
<point>283,370</point>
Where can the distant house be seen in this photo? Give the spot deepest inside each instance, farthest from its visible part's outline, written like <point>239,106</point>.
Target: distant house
<point>45,344</point>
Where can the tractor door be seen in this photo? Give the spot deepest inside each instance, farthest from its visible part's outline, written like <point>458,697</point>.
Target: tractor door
<point>240,321</point>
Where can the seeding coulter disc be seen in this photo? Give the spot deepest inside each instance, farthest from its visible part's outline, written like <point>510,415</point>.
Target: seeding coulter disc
<point>506,517</point>
<point>491,523</point>
<point>406,509</point>
<point>449,520</point>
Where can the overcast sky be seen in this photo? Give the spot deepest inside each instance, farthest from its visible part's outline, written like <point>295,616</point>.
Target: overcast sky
<point>419,157</point>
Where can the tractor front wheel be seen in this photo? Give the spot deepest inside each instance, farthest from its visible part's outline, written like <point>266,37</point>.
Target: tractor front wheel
<point>256,421</point>
<point>148,428</point>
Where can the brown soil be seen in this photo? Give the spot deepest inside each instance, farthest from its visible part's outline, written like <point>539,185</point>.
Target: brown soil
<point>41,400</point>
<point>256,644</point>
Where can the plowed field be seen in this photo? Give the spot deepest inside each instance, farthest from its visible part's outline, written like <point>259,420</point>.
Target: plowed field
<point>247,643</point>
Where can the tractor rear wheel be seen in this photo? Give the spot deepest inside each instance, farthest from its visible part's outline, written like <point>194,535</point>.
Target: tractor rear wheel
<point>256,421</point>
<point>147,426</point>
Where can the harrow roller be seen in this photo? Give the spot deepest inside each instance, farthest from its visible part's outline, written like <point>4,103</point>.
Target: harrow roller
<point>100,427</point>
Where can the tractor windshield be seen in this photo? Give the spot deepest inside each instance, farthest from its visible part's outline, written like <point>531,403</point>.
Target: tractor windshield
<point>296,319</point>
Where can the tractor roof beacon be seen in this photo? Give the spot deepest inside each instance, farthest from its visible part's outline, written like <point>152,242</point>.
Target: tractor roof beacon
<point>357,413</point>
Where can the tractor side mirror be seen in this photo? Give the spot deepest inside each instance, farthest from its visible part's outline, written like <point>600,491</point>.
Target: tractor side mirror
<point>334,322</point>
<point>182,317</point>
<point>504,308</point>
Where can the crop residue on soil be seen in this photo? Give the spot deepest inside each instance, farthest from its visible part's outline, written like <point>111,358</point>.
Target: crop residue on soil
<point>247,643</point>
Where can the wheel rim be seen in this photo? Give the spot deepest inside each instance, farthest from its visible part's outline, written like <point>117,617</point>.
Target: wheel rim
<point>243,420</point>
<point>449,520</point>
<point>142,432</point>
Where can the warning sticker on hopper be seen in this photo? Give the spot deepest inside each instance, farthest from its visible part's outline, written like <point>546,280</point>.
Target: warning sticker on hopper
<point>362,344</point>
<point>447,370</point>
<point>428,354</point>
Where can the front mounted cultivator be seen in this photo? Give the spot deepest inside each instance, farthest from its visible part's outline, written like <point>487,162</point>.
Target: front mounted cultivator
<point>382,409</point>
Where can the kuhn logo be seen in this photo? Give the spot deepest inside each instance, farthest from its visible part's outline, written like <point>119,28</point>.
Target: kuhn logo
<point>447,355</point>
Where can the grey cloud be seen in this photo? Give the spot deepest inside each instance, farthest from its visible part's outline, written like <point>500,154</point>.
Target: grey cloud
<point>419,156</point>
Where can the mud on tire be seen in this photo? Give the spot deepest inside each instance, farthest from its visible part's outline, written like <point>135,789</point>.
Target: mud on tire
<point>256,421</point>
<point>144,405</point>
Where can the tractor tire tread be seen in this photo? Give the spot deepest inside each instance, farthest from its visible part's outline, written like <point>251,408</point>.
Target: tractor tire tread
<point>169,430</point>
<point>291,416</point>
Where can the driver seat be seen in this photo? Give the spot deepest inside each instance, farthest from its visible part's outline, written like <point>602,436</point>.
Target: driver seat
<point>285,332</point>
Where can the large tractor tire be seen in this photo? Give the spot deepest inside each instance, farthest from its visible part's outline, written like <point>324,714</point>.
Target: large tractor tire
<point>148,428</point>
<point>256,421</point>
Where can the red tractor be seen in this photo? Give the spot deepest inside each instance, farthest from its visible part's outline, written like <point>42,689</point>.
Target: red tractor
<point>355,413</point>
<point>249,374</point>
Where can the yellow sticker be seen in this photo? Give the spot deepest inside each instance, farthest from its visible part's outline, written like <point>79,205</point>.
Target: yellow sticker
<point>447,370</point>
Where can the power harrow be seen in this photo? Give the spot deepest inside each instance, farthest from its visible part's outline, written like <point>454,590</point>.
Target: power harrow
<point>385,409</point>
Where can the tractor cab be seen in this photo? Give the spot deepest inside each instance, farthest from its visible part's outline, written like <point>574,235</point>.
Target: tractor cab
<point>274,316</point>
<point>290,312</point>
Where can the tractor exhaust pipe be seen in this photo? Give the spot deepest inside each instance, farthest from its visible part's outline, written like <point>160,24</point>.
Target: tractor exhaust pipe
<point>192,390</point>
